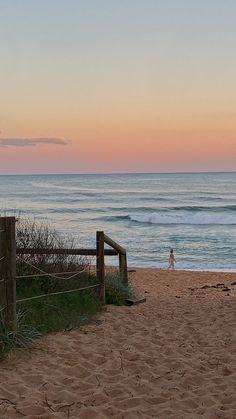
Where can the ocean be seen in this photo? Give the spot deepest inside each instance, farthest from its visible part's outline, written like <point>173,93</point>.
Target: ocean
<point>193,213</point>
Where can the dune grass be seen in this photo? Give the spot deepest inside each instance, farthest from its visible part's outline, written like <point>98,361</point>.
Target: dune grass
<point>24,335</point>
<point>40,316</point>
<point>57,312</point>
<point>52,313</point>
<point>37,317</point>
<point>116,290</point>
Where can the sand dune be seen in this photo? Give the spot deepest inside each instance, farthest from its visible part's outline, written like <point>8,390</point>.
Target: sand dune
<point>171,357</point>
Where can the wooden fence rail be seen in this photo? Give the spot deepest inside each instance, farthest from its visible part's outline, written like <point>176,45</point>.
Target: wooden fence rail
<point>122,256</point>
<point>8,252</point>
<point>79,252</point>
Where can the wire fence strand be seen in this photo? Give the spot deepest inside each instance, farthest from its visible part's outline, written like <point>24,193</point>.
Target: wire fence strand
<point>3,308</point>
<point>56,293</point>
<point>53,275</point>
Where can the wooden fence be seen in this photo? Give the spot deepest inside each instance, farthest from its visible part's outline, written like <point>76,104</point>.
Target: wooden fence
<point>8,253</point>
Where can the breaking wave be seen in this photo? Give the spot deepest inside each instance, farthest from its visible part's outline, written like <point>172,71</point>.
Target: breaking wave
<point>198,218</point>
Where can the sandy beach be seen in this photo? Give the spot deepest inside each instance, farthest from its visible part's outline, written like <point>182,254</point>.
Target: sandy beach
<point>172,357</point>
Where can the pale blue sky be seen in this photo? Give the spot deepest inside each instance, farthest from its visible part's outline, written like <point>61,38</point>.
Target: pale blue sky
<point>159,60</point>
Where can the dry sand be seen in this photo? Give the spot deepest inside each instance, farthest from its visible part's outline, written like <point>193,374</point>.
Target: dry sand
<point>171,357</point>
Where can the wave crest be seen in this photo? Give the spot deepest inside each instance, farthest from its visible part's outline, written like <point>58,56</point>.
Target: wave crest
<point>199,218</point>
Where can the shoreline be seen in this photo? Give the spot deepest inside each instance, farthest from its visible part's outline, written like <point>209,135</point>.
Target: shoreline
<point>233,271</point>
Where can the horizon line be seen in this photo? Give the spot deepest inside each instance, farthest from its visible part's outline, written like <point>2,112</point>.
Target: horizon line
<point>119,173</point>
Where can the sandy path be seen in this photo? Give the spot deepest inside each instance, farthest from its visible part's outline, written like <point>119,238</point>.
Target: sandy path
<point>172,357</point>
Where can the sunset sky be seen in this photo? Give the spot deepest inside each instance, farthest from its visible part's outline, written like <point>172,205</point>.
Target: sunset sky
<point>117,86</point>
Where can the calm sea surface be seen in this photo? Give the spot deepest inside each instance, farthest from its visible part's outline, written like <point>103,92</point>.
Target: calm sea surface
<point>146,213</point>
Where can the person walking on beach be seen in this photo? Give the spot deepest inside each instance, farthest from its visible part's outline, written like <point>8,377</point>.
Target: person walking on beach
<point>172,260</point>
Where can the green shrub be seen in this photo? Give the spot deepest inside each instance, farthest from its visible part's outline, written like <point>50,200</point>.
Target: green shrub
<point>22,338</point>
<point>31,233</point>
<point>61,312</point>
<point>55,312</point>
<point>49,313</point>
<point>116,290</point>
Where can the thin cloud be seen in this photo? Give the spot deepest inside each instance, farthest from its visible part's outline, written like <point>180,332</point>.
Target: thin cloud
<point>30,142</point>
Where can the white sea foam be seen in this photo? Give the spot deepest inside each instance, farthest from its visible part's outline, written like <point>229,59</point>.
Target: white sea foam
<point>62,187</point>
<point>43,185</point>
<point>197,218</point>
<point>66,187</point>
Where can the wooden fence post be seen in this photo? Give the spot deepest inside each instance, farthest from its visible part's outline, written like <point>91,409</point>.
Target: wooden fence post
<point>100,266</point>
<point>3,296</point>
<point>123,267</point>
<point>8,269</point>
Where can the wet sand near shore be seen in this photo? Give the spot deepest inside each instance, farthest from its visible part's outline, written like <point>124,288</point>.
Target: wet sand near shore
<point>172,357</point>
